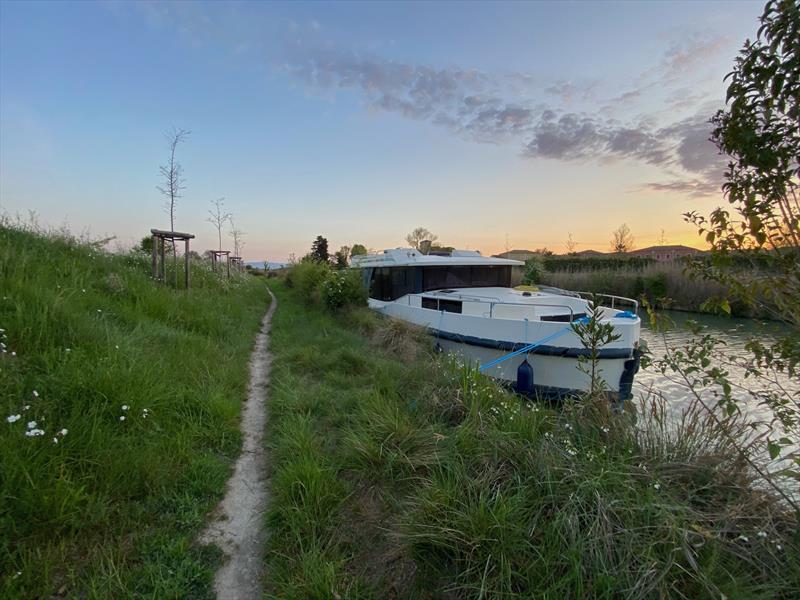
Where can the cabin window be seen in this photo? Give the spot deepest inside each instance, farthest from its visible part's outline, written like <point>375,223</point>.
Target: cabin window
<point>437,278</point>
<point>453,306</point>
<point>391,283</point>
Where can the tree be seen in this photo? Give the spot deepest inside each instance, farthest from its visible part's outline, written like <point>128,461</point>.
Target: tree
<point>571,244</point>
<point>358,250</point>
<point>419,235</point>
<point>217,217</point>
<point>759,131</point>
<point>172,174</point>
<point>238,237</point>
<point>342,256</point>
<point>662,239</point>
<point>146,245</point>
<point>755,245</point>
<point>319,250</point>
<point>622,240</point>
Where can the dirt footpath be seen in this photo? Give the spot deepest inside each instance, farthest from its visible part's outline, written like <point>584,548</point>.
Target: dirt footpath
<point>237,524</point>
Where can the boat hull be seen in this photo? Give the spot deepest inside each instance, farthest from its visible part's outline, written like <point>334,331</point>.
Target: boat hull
<point>553,376</point>
<point>556,362</point>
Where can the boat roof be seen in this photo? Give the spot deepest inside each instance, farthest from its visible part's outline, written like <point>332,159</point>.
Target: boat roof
<point>404,257</point>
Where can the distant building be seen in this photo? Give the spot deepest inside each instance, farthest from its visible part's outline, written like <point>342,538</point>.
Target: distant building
<point>588,253</point>
<point>665,253</point>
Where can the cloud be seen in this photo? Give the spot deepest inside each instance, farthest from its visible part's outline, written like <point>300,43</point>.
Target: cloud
<point>692,50</point>
<point>487,108</point>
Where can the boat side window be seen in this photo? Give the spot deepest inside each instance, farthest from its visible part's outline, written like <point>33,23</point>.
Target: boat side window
<point>391,283</point>
<point>453,306</point>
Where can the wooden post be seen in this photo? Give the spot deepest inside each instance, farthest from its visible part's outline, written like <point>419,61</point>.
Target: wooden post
<point>228,264</point>
<point>175,260</point>
<point>163,274</point>
<point>186,256</point>
<point>154,252</point>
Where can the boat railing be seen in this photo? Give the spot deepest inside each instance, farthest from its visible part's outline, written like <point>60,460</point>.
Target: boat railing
<point>493,301</point>
<point>614,300</point>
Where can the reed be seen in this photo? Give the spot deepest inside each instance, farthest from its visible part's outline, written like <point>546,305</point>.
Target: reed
<point>665,284</point>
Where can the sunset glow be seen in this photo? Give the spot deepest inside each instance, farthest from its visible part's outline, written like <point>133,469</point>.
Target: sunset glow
<point>493,125</point>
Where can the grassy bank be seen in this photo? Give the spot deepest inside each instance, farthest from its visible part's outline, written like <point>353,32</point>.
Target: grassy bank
<point>398,474</point>
<point>136,390</point>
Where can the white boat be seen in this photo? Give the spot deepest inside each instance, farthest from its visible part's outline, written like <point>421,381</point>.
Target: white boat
<point>469,303</point>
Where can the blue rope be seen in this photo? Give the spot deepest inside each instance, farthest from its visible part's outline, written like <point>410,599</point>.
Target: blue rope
<point>529,347</point>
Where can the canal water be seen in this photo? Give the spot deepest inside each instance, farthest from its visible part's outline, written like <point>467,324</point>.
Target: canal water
<point>733,334</point>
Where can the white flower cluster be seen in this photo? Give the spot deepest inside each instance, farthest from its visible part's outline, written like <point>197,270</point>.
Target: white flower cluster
<point>33,430</point>
<point>3,340</point>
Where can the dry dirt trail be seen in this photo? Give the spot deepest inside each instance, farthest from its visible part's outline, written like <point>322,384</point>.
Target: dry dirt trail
<point>237,524</point>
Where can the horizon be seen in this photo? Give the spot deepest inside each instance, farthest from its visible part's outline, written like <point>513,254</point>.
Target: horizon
<point>494,125</point>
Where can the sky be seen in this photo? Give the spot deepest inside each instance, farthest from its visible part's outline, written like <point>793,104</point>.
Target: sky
<point>494,125</point>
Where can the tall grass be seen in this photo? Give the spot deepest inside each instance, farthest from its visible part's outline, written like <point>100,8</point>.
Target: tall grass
<point>665,284</point>
<point>136,388</point>
<point>402,474</point>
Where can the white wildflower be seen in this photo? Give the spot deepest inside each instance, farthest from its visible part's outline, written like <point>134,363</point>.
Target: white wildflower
<point>744,538</point>
<point>34,432</point>
<point>55,440</point>
<point>67,350</point>
<point>13,418</point>
<point>26,407</point>
<point>778,547</point>
<point>31,424</point>
<point>122,418</point>
<point>35,394</point>
<point>124,407</point>
<point>762,534</point>
<point>657,486</point>
<point>63,432</point>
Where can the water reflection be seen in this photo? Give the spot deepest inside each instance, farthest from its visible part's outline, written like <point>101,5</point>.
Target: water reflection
<point>733,334</point>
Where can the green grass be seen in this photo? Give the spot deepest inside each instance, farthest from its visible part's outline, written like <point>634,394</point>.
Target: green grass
<point>113,507</point>
<point>400,474</point>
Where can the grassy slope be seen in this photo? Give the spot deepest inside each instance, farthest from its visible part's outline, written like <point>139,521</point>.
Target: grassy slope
<point>111,509</point>
<point>398,475</point>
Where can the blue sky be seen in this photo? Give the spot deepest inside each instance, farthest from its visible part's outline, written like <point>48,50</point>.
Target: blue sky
<point>360,121</point>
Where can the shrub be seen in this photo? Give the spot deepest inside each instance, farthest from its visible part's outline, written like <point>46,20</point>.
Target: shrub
<point>534,270</point>
<point>307,277</point>
<point>343,288</point>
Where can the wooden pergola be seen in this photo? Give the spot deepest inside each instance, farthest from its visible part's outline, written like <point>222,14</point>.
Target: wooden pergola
<point>160,237</point>
<point>216,256</point>
<point>237,261</point>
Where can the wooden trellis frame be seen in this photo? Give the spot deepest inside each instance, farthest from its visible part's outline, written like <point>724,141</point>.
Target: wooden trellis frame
<point>216,255</point>
<point>237,262</point>
<point>160,237</point>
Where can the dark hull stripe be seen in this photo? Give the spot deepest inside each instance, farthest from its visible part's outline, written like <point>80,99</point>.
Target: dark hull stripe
<point>541,350</point>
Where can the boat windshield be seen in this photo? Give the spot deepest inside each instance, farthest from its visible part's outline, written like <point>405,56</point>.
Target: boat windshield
<point>390,283</point>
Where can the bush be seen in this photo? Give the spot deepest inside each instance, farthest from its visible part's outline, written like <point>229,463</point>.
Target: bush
<point>307,277</point>
<point>343,288</point>
<point>534,270</point>
<point>653,287</point>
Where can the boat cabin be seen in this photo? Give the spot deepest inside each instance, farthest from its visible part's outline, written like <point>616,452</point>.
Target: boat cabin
<point>397,273</point>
